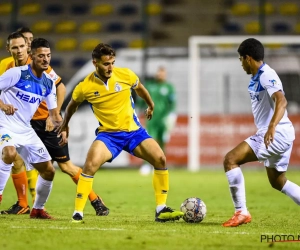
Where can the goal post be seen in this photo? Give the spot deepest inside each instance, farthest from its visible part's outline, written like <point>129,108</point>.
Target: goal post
<point>194,78</point>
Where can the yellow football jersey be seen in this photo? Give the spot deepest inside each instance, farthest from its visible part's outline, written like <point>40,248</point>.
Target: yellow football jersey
<point>111,102</point>
<point>4,63</point>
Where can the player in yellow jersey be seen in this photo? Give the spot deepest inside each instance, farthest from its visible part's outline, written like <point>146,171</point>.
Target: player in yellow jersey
<point>43,126</point>
<point>108,90</point>
<point>27,33</point>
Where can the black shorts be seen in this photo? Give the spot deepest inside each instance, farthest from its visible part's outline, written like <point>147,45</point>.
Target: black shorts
<point>50,140</point>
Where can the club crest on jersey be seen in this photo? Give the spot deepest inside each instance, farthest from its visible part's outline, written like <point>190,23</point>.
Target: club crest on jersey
<point>273,82</point>
<point>43,91</point>
<point>96,93</point>
<point>118,88</point>
<point>4,138</point>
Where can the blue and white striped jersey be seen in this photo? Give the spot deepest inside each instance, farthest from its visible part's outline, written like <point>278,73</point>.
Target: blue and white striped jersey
<point>22,89</point>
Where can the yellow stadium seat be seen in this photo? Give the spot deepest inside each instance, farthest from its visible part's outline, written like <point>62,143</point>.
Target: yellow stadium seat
<point>102,9</point>
<point>288,9</point>
<point>65,27</point>
<point>268,9</point>
<point>66,44</point>
<point>273,45</point>
<point>5,8</point>
<point>297,28</point>
<point>252,27</point>
<point>90,27</point>
<point>153,9</point>
<point>137,44</point>
<point>30,9</point>
<point>42,27</point>
<point>89,44</point>
<point>241,9</point>
<point>1,43</point>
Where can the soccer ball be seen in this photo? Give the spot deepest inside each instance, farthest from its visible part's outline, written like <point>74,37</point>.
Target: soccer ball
<point>194,210</point>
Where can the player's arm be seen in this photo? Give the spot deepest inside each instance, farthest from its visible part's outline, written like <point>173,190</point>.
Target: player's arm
<point>280,104</point>
<point>60,93</point>
<point>142,92</point>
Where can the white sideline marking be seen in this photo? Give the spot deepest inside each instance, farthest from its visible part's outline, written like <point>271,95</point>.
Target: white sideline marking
<point>69,228</point>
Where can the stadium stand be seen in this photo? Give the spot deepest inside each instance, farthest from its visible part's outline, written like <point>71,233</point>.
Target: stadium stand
<point>90,26</point>
<point>30,9</point>
<point>64,27</point>
<point>42,27</point>
<point>102,9</point>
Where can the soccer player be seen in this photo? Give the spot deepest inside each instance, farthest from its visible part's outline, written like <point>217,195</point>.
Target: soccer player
<point>43,126</point>
<point>24,88</point>
<point>272,144</point>
<point>160,126</point>
<point>27,33</point>
<point>108,90</point>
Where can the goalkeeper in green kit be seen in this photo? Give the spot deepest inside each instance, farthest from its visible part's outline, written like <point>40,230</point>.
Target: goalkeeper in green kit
<point>164,117</point>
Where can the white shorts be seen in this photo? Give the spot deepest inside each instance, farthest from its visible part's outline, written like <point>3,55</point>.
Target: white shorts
<point>278,153</point>
<point>28,145</point>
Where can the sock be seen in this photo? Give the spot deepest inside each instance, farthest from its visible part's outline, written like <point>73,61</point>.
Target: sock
<point>161,186</point>
<point>4,174</point>
<point>84,187</point>
<point>292,190</point>
<point>43,189</point>
<point>20,183</point>
<point>32,176</point>
<point>237,189</point>
<point>92,196</point>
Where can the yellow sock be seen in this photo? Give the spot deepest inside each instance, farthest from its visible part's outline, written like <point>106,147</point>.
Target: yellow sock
<point>32,176</point>
<point>161,186</point>
<point>84,187</point>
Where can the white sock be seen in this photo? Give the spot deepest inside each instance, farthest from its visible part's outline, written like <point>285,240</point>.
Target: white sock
<point>292,190</point>
<point>159,208</point>
<point>237,189</point>
<point>43,189</point>
<point>4,174</point>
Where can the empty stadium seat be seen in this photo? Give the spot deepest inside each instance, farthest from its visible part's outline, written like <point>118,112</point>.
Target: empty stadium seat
<point>56,63</point>
<point>1,43</point>
<point>54,9</point>
<point>137,27</point>
<point>128,10</point>
<point>30,9</point>
<point>232,28</point>
<point>118,44</point>
<point>153,9</point>
<point>42,27</point>
<point>89,44</point>
<point>102,9</point>
<point>241,9</point>
<point>66,44</point>
<point>267,9</point>
<point>137,44</point>
<point>115,27</point>
<point>297,28</point>
<point>5,8</point>
<point>252,27</point>
<point>281,27</point>
<point>288,9</point>
<point>78,62</point>
<point>79,9</point>
<point>65,27</point>
<point>90,27</point>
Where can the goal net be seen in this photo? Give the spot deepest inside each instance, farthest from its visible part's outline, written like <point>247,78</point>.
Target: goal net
<point>219,108</point>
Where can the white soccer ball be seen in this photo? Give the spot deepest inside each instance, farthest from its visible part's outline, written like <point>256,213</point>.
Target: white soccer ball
<point>194,210</point>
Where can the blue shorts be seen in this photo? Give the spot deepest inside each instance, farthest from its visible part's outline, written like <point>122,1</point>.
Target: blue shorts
<point>118,141</point>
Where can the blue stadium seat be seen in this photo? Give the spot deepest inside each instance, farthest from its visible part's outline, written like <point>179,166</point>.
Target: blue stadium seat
<point>78,62</point>
<point>115,27</point>
<point>281,27</point>
<point>54,9</point>
<point>118,44</point>
<point>128,10</point>
<point>79,9</point>
<point>137,27</point>
<point>56,63</point>
<point>231,28</point>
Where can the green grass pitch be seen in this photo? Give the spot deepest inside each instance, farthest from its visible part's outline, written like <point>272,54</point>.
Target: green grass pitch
<point>130,224</point>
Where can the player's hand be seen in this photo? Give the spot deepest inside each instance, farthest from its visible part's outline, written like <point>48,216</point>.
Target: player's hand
<point>64,138</point>
<point>8,109</point>
<point>269,136</point>
<point>149,113</point>
<point>49,124</point>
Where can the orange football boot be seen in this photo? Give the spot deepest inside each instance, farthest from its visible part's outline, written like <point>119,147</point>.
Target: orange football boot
<point>238,219</point>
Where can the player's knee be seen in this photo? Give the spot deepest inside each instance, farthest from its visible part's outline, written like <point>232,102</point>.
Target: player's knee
<point>47,172</point>
<point>161,161</point>
<point>9,154</point>
<point>228,161</point>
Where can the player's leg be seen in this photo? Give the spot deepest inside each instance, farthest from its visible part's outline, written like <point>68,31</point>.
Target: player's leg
<point>97,155</point>
<point>239,155</point>
<point>148,149</point>
<point>20,183</point>
<point>276,169</point>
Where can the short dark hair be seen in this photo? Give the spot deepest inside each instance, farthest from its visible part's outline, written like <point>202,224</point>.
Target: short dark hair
<point>39,42</point>
<point>24,30</point>
<point>103,50</point>
<point>253,48</point>
<point>14,35</point>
